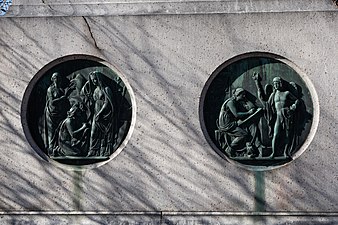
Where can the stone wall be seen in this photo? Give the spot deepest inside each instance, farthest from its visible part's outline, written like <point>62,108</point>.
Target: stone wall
<point>168,173</point>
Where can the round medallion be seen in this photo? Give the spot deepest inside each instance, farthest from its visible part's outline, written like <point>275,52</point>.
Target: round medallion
<point>78,110</point>
<point>259,111</point>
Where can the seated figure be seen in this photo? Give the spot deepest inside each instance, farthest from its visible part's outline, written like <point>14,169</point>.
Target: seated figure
<point>73,132</point>
<point>234,121</point>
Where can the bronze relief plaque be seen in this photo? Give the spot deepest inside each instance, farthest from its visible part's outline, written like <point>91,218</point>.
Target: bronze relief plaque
<point>259,111</point>
<point>77,111</point>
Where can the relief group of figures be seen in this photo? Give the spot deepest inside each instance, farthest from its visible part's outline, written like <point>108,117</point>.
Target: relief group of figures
<point>270,131</point>
<point>79,118</point>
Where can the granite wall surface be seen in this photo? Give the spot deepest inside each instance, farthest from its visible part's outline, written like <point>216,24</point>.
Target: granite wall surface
<point>168,173</point>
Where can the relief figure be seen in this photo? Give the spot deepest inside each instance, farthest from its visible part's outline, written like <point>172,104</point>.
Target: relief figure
<point>101,136</point>
<point>238,127</point>
<point>73,133</point>
<point>283,112</point>
<point>87,128</point>
<point>55,110</point>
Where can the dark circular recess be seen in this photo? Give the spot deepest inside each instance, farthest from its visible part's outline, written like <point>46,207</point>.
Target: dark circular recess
<point>259,111</point>
<point>77,110</point>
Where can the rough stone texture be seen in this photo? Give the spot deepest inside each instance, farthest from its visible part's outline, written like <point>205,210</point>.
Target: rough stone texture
<point>168,166</point>
<point>35,8</point>
<point>83,219</point>
<point>187,219</point>
<point>250,220</point>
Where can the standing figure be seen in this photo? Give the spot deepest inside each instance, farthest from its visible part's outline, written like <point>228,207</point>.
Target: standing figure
<point>233,112</point>
<point>280,114</point>
<point>56,108</point>
<point>101,137</point>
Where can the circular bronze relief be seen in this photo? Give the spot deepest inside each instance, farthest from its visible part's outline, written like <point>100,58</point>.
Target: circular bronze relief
<point>77,110</point>
<point>258,111</point>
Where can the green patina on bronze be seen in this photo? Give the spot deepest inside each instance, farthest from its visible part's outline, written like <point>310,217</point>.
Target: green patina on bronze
<point>79,112</point>
<point>258,112</point>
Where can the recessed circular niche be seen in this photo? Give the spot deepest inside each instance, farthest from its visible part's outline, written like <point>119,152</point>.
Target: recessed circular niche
<point>259,111</point>
<point>79,111</point>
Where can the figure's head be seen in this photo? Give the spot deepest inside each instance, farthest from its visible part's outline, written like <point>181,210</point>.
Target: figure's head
<point>239,94</point>
<point>75,100</point>
<point>56,78</point>
<point>73,111</point>
<point>94,78</point>
<point>277,83</point>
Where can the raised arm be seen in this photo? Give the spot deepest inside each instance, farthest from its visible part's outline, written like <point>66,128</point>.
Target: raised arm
<point>260,91</point>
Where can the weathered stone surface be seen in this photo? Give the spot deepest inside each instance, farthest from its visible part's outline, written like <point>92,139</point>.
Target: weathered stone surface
<point>168,165</point>
<point>36,8</point>
<point>229,219</point>
<point>83,218</point>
